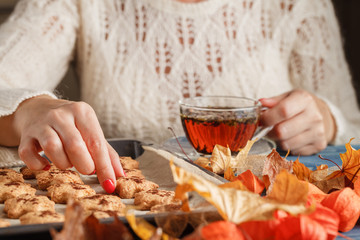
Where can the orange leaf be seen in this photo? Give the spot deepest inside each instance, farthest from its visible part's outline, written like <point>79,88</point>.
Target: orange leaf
<point>302,227</point>
<point>320,224</point>
<point>357,187</point>
<point>346,204</point>
<point>301,171</point>
<point>251,228</point>
<point>350,163</point>
<point>252,182</point>
<point>229,174</point>
<point>273,165</point>
<point>288,189</point>
<point>315,193</point>
<point>235,184</point>
<point>221,230</point>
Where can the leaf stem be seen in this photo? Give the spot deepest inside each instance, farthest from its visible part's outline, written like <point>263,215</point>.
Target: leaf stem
<point>331,161</point>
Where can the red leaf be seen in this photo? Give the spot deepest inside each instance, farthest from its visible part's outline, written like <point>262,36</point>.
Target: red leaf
<point>251,182</point>
<point>346,204</point>
<point>221,230</point>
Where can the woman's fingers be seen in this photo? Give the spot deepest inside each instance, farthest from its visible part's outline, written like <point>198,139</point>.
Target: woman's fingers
<point>96,144</point>
<point>29,153</point>
<point>114,156</point>
<point>300,121</point>
<point>70,135</point>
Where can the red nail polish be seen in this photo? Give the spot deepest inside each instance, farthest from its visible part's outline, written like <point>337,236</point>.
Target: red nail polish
<point>47,167</point>
<point>124,173</point>
<point>108,186</point>
<point>93,172</point>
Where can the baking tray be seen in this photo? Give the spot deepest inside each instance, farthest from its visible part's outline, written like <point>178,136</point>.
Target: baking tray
<point>124,147</point>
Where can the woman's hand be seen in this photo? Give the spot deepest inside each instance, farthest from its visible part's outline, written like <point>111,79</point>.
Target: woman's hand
<point>302,122</point>
<point>69,134</point>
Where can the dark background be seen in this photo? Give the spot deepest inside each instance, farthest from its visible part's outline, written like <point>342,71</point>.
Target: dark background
<point>347,11</point>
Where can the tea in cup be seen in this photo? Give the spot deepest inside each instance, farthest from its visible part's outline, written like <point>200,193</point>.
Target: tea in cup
<point>227,121</point>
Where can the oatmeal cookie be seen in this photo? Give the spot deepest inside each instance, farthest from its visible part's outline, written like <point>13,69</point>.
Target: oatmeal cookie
<point>126,187</point>
<point>41,217</point>
<point>147,199</point>
<point>51,177</point>
<point>18,206</point>
<point>129,163</point>
<point>105,214</point>
<point>31,174</point>
<point>133,173</point>
<point>102,202</point>
<point>10,175</point>
<point>61,193</point>
<point>13,189</point>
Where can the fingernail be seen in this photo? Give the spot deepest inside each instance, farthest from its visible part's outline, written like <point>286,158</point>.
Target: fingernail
<point>93,172</point>
<point>124,173</point>
<point>108,186</point>
<point>47,167</point>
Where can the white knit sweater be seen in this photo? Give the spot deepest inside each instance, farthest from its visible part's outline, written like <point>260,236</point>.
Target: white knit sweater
<point>137,58</point>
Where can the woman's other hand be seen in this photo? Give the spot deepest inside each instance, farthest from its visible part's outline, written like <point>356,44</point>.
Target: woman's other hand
<point>69,134</point>
<point>302,122</point>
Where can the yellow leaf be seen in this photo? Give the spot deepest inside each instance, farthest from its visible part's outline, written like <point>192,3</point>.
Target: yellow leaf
<point>232,204</point>
<point>301,171</point>
<point>288,189</point>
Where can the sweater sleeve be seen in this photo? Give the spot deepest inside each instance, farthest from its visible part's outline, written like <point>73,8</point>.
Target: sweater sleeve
<point>317,64</point>
<point>37,44</point>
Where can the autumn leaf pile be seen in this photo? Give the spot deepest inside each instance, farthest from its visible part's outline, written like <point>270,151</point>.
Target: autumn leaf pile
<point>299,203</point>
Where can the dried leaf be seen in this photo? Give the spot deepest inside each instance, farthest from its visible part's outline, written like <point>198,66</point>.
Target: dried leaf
<point>315,193</point>
<point>233,205</point>
<point>327,185</point>
<point>251,182</point>
<point>288,189</point>
<point>273,165</point>
<point>357,187</point>
<point>203,162</point>
<point>216,230</point>
<point>301,171</point>
<point>241,159</point>
<point>229,174</point>
<point>221,230</point>
<point>251,229</point>
<point>143,229</point>
<point>235,185</point>
<point>346,203</point>
<point>220,159</point>
<point>350,163</point>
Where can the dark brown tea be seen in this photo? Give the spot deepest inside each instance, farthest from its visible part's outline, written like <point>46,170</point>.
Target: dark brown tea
<point>204,133</point>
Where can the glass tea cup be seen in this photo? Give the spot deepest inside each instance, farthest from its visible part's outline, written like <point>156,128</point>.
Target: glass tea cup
<point>225,120</point>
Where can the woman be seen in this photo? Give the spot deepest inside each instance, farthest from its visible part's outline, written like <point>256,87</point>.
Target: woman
<point>137,58</point>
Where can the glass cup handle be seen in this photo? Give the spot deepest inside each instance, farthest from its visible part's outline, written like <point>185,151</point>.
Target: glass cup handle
<point>262,133</point>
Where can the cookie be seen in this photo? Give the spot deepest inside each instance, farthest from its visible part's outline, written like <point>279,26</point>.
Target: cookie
<point>10,175</point>
<point>20,205</point>
<point>102,202</point>
<point>13,189</point>
<point>129,163</point>
<point>126,187</point>
<point>133,173</point>
<point>31,174</point>
<point>41,217</point>
<point>147,199</point>
<point>62,192</point>
<point>51,177</point>
<point>4,223</point>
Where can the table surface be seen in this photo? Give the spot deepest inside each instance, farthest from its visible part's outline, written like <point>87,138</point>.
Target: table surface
<point>331,152</point>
